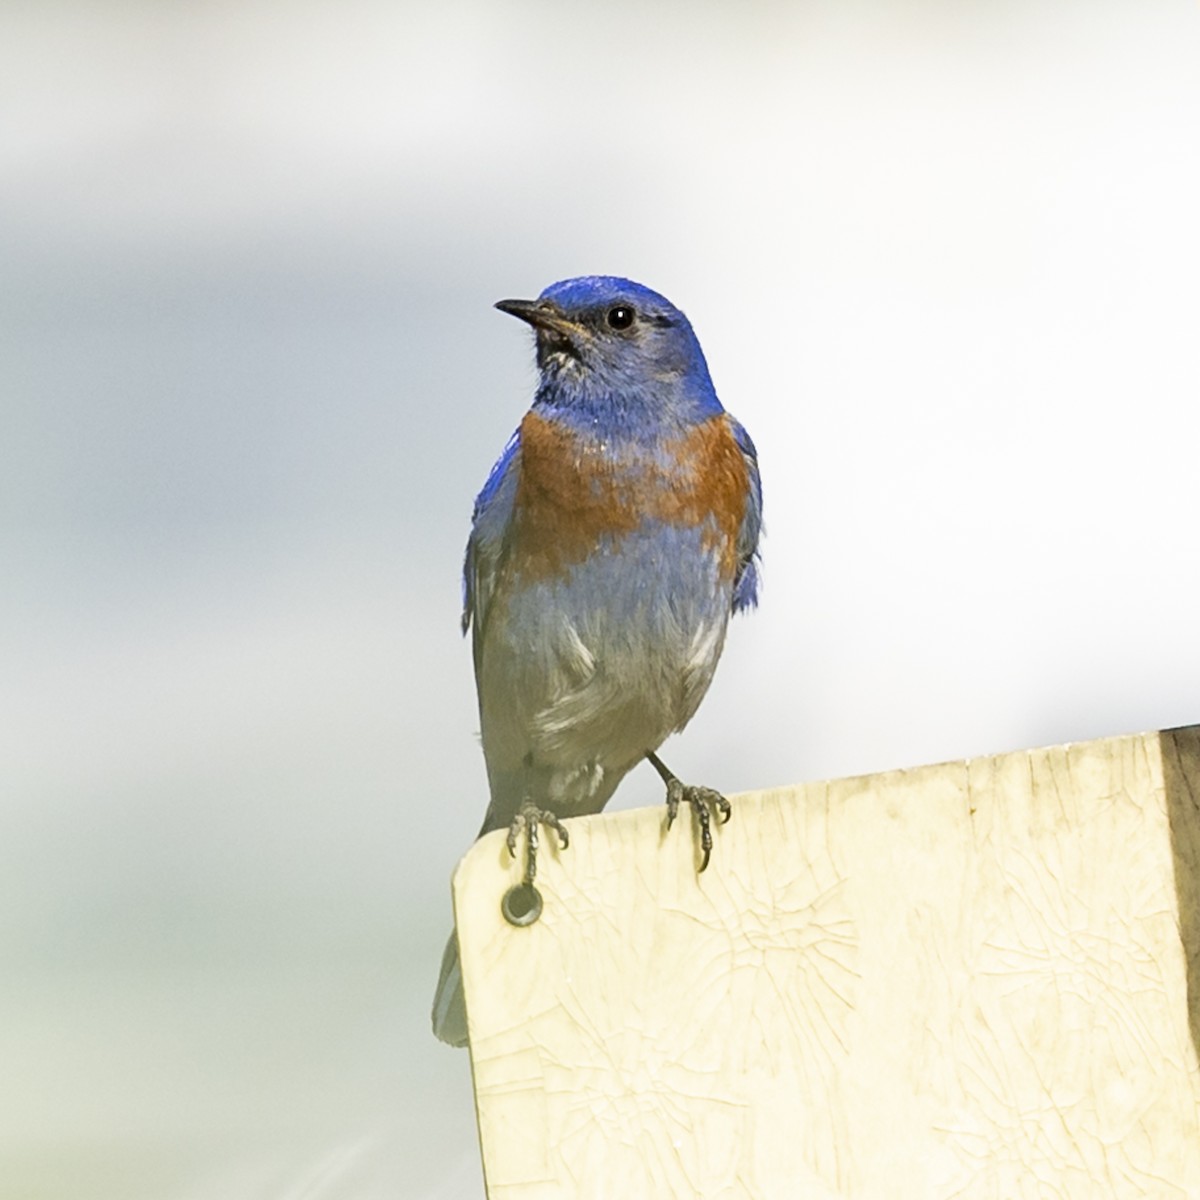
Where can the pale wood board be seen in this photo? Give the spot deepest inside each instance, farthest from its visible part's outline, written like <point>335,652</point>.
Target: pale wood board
<point>960,981</point>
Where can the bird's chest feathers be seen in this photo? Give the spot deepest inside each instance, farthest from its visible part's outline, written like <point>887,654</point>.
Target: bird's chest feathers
<point>578,495</point>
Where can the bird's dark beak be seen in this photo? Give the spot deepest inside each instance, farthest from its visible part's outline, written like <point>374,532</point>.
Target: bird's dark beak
<point>543,315</point>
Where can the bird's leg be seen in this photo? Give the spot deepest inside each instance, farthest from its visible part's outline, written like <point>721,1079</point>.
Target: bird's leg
<point>529,817</point>
<point>701,799</point>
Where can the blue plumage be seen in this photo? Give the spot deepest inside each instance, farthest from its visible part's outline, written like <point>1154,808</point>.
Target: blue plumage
<point>609,546</point>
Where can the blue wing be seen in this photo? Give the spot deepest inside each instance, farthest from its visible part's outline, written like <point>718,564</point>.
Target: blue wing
<point>745,583</point>
<point>489,525</point>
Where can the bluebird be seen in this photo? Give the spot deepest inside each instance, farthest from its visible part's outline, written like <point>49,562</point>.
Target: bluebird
<point>609,546</point>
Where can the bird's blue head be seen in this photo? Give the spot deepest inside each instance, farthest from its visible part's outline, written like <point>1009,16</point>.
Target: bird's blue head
<point>612,353</point>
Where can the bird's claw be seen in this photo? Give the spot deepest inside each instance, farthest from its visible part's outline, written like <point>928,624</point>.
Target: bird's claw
<point>529,817</point>
<point>700,800</point>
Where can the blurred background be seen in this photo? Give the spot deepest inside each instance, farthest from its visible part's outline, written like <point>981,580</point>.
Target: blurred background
<point>944,259</point>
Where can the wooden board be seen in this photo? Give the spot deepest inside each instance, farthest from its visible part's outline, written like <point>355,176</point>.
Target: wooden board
<point>965,980</point>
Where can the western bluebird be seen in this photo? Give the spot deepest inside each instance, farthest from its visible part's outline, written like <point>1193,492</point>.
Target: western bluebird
<point>610,544</point>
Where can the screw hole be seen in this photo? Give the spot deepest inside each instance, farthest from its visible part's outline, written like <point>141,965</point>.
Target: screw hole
<point>521,905</point>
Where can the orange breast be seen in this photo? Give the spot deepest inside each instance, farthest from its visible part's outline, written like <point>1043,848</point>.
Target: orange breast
<point>573,492</point>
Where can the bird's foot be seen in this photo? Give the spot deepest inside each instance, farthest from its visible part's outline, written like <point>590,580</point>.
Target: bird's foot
<point>700,799</point>
<point>529,817</point>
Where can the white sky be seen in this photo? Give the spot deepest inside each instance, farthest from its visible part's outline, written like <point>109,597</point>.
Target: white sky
<point>943,259</point>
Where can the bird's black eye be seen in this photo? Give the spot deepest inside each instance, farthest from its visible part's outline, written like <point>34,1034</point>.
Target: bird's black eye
<point>620,317</point>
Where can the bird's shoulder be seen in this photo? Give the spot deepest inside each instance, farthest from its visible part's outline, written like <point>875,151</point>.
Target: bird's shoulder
<point>489,526</point>
<point>746,577</point>
<point>716,459</point>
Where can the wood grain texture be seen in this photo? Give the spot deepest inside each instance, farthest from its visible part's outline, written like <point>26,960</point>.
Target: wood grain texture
<point>966,980</point>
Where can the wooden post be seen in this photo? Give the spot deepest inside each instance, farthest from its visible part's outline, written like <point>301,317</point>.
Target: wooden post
<point>968,980</point>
